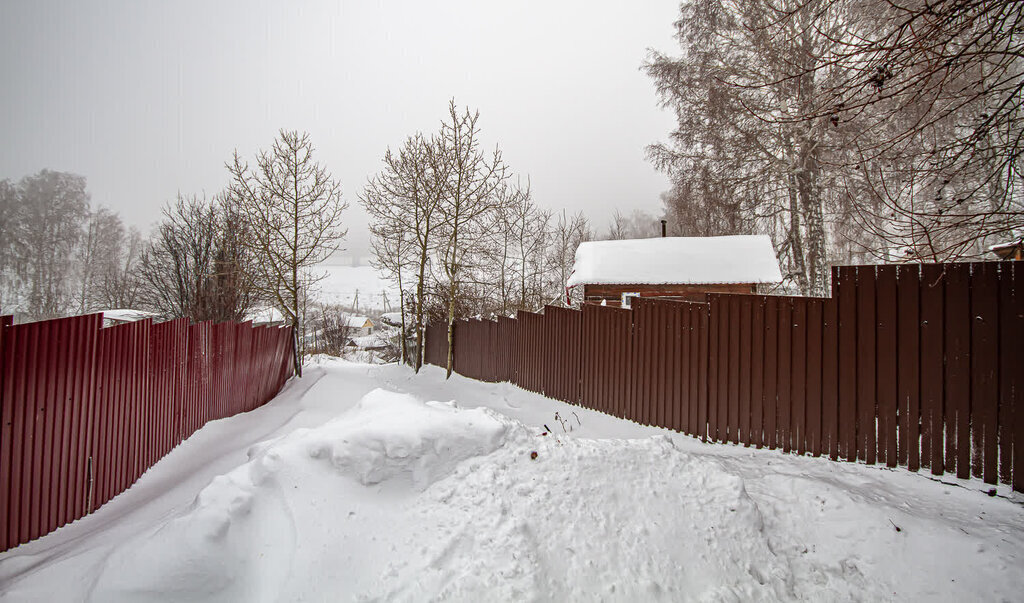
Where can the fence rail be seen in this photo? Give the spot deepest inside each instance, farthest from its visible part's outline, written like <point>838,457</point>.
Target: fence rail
<point>913,365</point>
<point>86,410</point>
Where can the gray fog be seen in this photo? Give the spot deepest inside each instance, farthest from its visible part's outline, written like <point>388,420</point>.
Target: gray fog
<point>147,99</point>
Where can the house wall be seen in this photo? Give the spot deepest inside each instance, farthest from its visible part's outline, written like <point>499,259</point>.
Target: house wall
<point>595,294</point>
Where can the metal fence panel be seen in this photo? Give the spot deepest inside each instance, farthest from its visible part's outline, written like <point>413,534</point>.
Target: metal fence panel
<point>87,410</point>
<point>910,365</point>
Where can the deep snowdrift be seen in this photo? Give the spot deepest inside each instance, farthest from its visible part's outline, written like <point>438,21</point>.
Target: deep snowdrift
<point>362,488</point>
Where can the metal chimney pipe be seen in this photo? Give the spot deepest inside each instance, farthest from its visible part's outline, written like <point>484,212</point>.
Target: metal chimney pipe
<point>663,222</point>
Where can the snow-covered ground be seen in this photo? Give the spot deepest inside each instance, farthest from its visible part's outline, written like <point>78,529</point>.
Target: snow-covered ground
<point>366,483</point>
<point>341,285</point>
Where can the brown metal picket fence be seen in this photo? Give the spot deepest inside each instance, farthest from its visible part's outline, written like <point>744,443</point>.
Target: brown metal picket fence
<point>87,410</point>
<point>909,365</point>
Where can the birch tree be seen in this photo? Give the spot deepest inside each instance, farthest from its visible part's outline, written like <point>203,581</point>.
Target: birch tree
<point>403,203</point>
<point>101,244</point>
<point>569,232</point>
<point>55,206</point>
<point>470,178</point>
<point>745,67</point>
<point>293,207</point>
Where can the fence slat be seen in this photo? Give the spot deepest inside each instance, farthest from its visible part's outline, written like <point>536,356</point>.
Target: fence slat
<point>785,380</point>
<point>908,383</point>
<point>798,418</point>
<point>866,357</point>
<point>672,343</point>
<point>846,289</point>
<point>735,377</point>
<point>815,323</point>
<point>757,373</point>
<point>932,366</point>
<point>745,349</point>
<point>886,338</point>
<point>1011,392</point>
<point>984,370</point>
<point>702,370</point>
<point>724,370</point>
<point>958,370</point>
<point>771,371</point>
<point>830,377</point>
<point>686,376</point>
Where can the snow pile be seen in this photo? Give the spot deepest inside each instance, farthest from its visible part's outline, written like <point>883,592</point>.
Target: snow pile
<point>566,526</point>
<point>242,537</point>
<point>676,260</point>
<point>388,435</point>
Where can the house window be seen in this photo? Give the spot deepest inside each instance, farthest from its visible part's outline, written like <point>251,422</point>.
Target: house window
<point>627,299</point>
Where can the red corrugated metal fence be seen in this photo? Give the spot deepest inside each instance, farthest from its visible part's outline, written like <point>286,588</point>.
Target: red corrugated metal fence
<point>86,410</point>
<point>912,365</point>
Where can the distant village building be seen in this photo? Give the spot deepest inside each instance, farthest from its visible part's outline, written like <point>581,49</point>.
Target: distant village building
<point>359,326</point>
<point>265,316</point>
<point>681,268</point>
<point>1011,250</point>
<point>119,316</point>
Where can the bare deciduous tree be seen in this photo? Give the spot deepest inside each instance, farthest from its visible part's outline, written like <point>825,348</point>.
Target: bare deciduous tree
<point>293,208</point>
<point>569,232</point>
<point>119,285</point>
<point>847,130</point>
<point>195,265</point>
<point>100,248</point>
<point>470,179</point>
<point>55,205</point>
<point>402,202</point>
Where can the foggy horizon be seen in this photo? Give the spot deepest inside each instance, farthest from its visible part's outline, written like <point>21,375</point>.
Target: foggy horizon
<point>149,101</point>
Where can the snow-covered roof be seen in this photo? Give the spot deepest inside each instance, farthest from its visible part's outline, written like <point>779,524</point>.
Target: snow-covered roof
<point>127,315</point>
<point>677,260</point>
<point>369,341</point>
<point>1010,243</point>
<point>392,318</point>
<point>358,322</point>
<point>1009,249</point>
<point>264,314</point>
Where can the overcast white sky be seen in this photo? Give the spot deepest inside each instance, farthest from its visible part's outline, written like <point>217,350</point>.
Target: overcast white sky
<point>148,98</point>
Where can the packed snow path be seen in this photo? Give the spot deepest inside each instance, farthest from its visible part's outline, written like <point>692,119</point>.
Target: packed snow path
<point>369,483</point>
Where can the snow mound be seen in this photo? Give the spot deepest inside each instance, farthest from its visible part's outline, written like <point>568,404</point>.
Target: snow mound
<point>245,534</point>
<point>584,520</point>
<point>388,435</point>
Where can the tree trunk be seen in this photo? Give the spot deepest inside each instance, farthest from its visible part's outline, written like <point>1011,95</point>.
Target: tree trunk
<point>796,244</point>
<point>401,302</point>
<point>418,363</point>
<point>451,328</point>
<point>810,200</point>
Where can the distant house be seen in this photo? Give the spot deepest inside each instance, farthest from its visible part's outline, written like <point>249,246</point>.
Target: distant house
<point>265,315</point>
<point>1010,250</point>
<point>681,268</point>
<point>122,315</point>
<point>359,326</point>
<point>392,319</point>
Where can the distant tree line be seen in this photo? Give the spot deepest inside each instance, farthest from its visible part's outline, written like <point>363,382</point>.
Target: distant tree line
<point>848,130</point>
<point>214,259</point>
<point>59,255</point>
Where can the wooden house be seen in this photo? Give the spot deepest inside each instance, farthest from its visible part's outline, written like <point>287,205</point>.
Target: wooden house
<point>1011,250</point>
<point>681,268</point>
<point>359,326</point>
